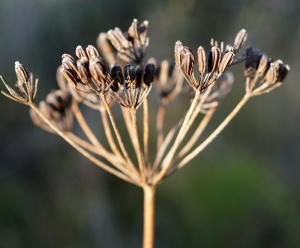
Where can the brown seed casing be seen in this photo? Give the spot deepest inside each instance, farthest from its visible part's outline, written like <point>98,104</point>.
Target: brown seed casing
<point>226,61</point>
<point>69,76</point>
<point>214,58</point>
<point>177,53</point>
<point>133,30</point>
<point>201,60</point>
<point>188,63</point>
<point>149,74</point>
<point>92,52</point>
<point>263,64</point>
<point>21,72</point>
<point>240,39</point>
<point>271,75</point>
<point>80,53</point>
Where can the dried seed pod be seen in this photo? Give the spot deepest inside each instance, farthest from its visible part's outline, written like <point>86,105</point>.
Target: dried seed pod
<point>143,28</point>
<point>149,74</point>
<point>271,75</point>
<point>92,52</point>
<point>177,53</point>
<point>80,53</point>
<point>188,64</point>
<point>282,72</point>
<point>277,63</point>
<point>68,74</point>
<point>121,38</point>
<point>21,72</point>
<point>133,30</point>
<point>214,58</point>
<point>67,57</point>
<point>98,71</point>
<point>263,64</point>
<point>113,39</point>
<point>68,63</point>
<point>129,72</point>
<point>240,39</point>
<point>201,60</point>
<point>138,74</point>
<point>253,57</point>
<point>226,61</point>
<point>83,72</point>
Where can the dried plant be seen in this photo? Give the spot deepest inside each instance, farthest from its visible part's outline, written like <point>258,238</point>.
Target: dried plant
<point>121,77</point>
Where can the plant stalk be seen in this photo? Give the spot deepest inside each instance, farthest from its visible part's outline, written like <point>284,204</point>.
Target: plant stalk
<point>149,215</point>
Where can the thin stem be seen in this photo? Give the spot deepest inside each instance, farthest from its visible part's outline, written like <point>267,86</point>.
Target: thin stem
<point>166,162</point>
<point>114,160</point>
<point>196,134</point>
<point>160,121</point>
<point>149,216</point>
<point>83,143</point>
<point>117,133</point>
<point>164,145</point>
<point>128,121</point>
<point>216,132</point>
<point>108,134</point>
<point>136,145</point>
<point>146,135</point>
<point>82,151</point>
<point>86,129</point>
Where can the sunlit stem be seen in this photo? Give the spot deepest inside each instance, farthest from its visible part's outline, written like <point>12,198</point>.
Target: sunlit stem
<point>117,132</point>
<point>136,144</point>
<point>195,137</point>
<point>166,162</point>
<point>216,132</point>
<point>146,136</point>
<point>149,216</point>
<point>160,121</point>
<point>82,151</point>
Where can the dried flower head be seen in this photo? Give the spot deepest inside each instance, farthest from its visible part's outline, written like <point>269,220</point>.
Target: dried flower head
<point>26,85</point>
<point>210,67</point>
<point>90,70</point>
<point>131,46</point>
<point>132,86</point>
<point>262,73</point>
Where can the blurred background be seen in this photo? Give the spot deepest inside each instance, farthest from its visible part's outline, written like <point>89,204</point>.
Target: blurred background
<point>243,190</point>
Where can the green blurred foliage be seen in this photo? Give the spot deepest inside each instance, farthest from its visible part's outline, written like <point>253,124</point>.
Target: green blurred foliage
<point>241,191</point>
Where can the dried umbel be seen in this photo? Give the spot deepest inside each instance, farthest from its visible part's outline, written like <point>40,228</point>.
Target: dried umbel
<point>91,100</point>
<point>87,79</point>
<point>262,73</point>
<point>210,67</point>
<point>131,46</point>
<point>131,87</point>
<point>89,70</point>
<point>26,85</point>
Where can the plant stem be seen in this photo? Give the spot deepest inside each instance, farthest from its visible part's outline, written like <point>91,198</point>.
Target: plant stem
<point>86,129</point>
<point>136,145</point>
<point>146,137</point>
<point>81,150</point>
<point>149,215</point>
<point>160,122</point>
<point>216,132</point>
